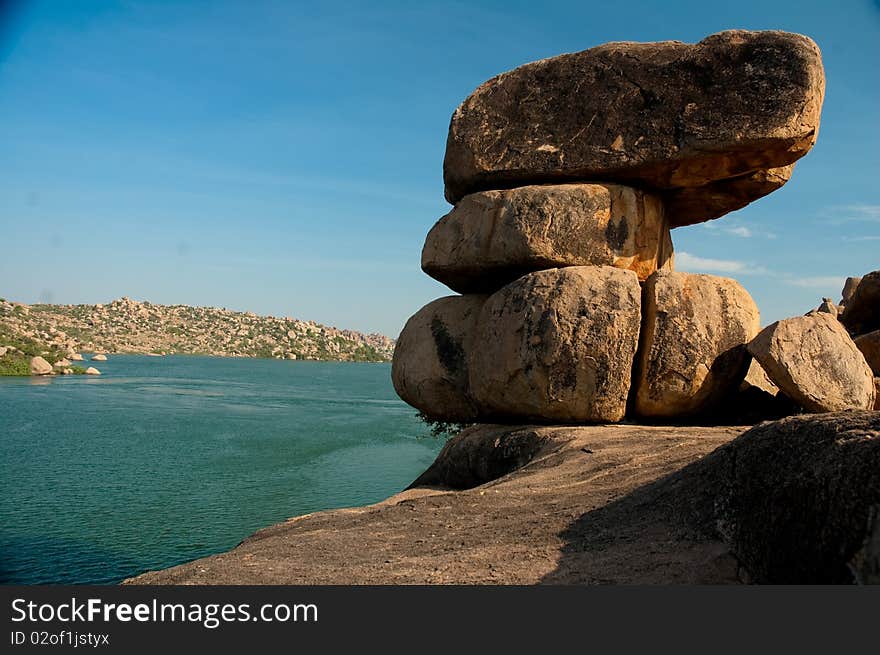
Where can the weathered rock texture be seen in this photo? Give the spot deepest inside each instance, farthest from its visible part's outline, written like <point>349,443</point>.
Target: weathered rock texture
<point>430,365</point>
<point>813,361</point>
<point>493,237</point>
<point>862,312</point>
<point>869,344</point>
<point>798,500</point>
<point>663,115</point>
<point>558,345</point>
<point>789,502</point>
<point>693,353</point>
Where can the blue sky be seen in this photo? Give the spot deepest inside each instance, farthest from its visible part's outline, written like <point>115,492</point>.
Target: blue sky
<point>286,157</point>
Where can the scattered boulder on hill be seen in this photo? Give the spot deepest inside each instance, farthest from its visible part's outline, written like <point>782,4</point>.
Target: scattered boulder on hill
<point>99,358</point>
<point>693,341</point>
<point>430,366</point>
<point>862,312</point>
<point>869,344</point>
<point>493,237</point>
<point>665,115</point>
<point>3,350</point>
<point>558,345</point>
<point>813,360</point>
<point>40,366</point>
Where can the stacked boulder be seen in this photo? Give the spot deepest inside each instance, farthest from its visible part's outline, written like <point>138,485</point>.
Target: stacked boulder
<point>566,176</point>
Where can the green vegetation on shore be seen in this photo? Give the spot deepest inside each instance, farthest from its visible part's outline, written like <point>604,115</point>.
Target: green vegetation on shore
<point>20,349</point>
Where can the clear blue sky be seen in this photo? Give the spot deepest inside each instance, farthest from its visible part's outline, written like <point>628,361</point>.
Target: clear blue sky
<point>286,157</point>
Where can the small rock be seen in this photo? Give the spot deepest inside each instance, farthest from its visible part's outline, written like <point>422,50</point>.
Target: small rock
<point>99,358</point>
<point>91,370</point>
<point>76,357</point>
<point>62,363</point>
<point>757,377</point>
<point>828,307</point>
<point>3,350</point>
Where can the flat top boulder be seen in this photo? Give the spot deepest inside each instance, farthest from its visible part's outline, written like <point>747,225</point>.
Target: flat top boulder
<point>661,115</point>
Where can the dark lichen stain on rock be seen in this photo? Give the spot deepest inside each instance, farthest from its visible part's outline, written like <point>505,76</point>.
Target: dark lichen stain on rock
<point>617,233</point>
<point>449,351</point>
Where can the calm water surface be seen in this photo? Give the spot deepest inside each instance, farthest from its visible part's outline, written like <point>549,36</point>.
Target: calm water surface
<point>163,460</point>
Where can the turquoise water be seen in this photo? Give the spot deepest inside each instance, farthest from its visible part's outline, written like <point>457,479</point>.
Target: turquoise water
<point>164,460</point>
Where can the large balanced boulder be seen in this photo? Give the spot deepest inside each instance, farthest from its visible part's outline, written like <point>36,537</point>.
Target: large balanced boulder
<point>558,345</point>
<point>430,365</point>
<point>869,344</point>
<point>493,237</point>
<point>665,115</point>
<point>798,500</point>
<point>40,366</point>
<point>693,351</point>
<point>814,362</point>
<point>862,311</point>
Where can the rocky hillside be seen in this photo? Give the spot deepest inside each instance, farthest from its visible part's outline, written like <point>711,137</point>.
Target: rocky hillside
<point>130,326</point>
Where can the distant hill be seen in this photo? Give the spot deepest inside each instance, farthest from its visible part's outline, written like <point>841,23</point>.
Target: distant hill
<point>129,326</point>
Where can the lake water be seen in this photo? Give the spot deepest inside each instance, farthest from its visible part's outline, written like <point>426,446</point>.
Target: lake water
<point>164,460</point>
